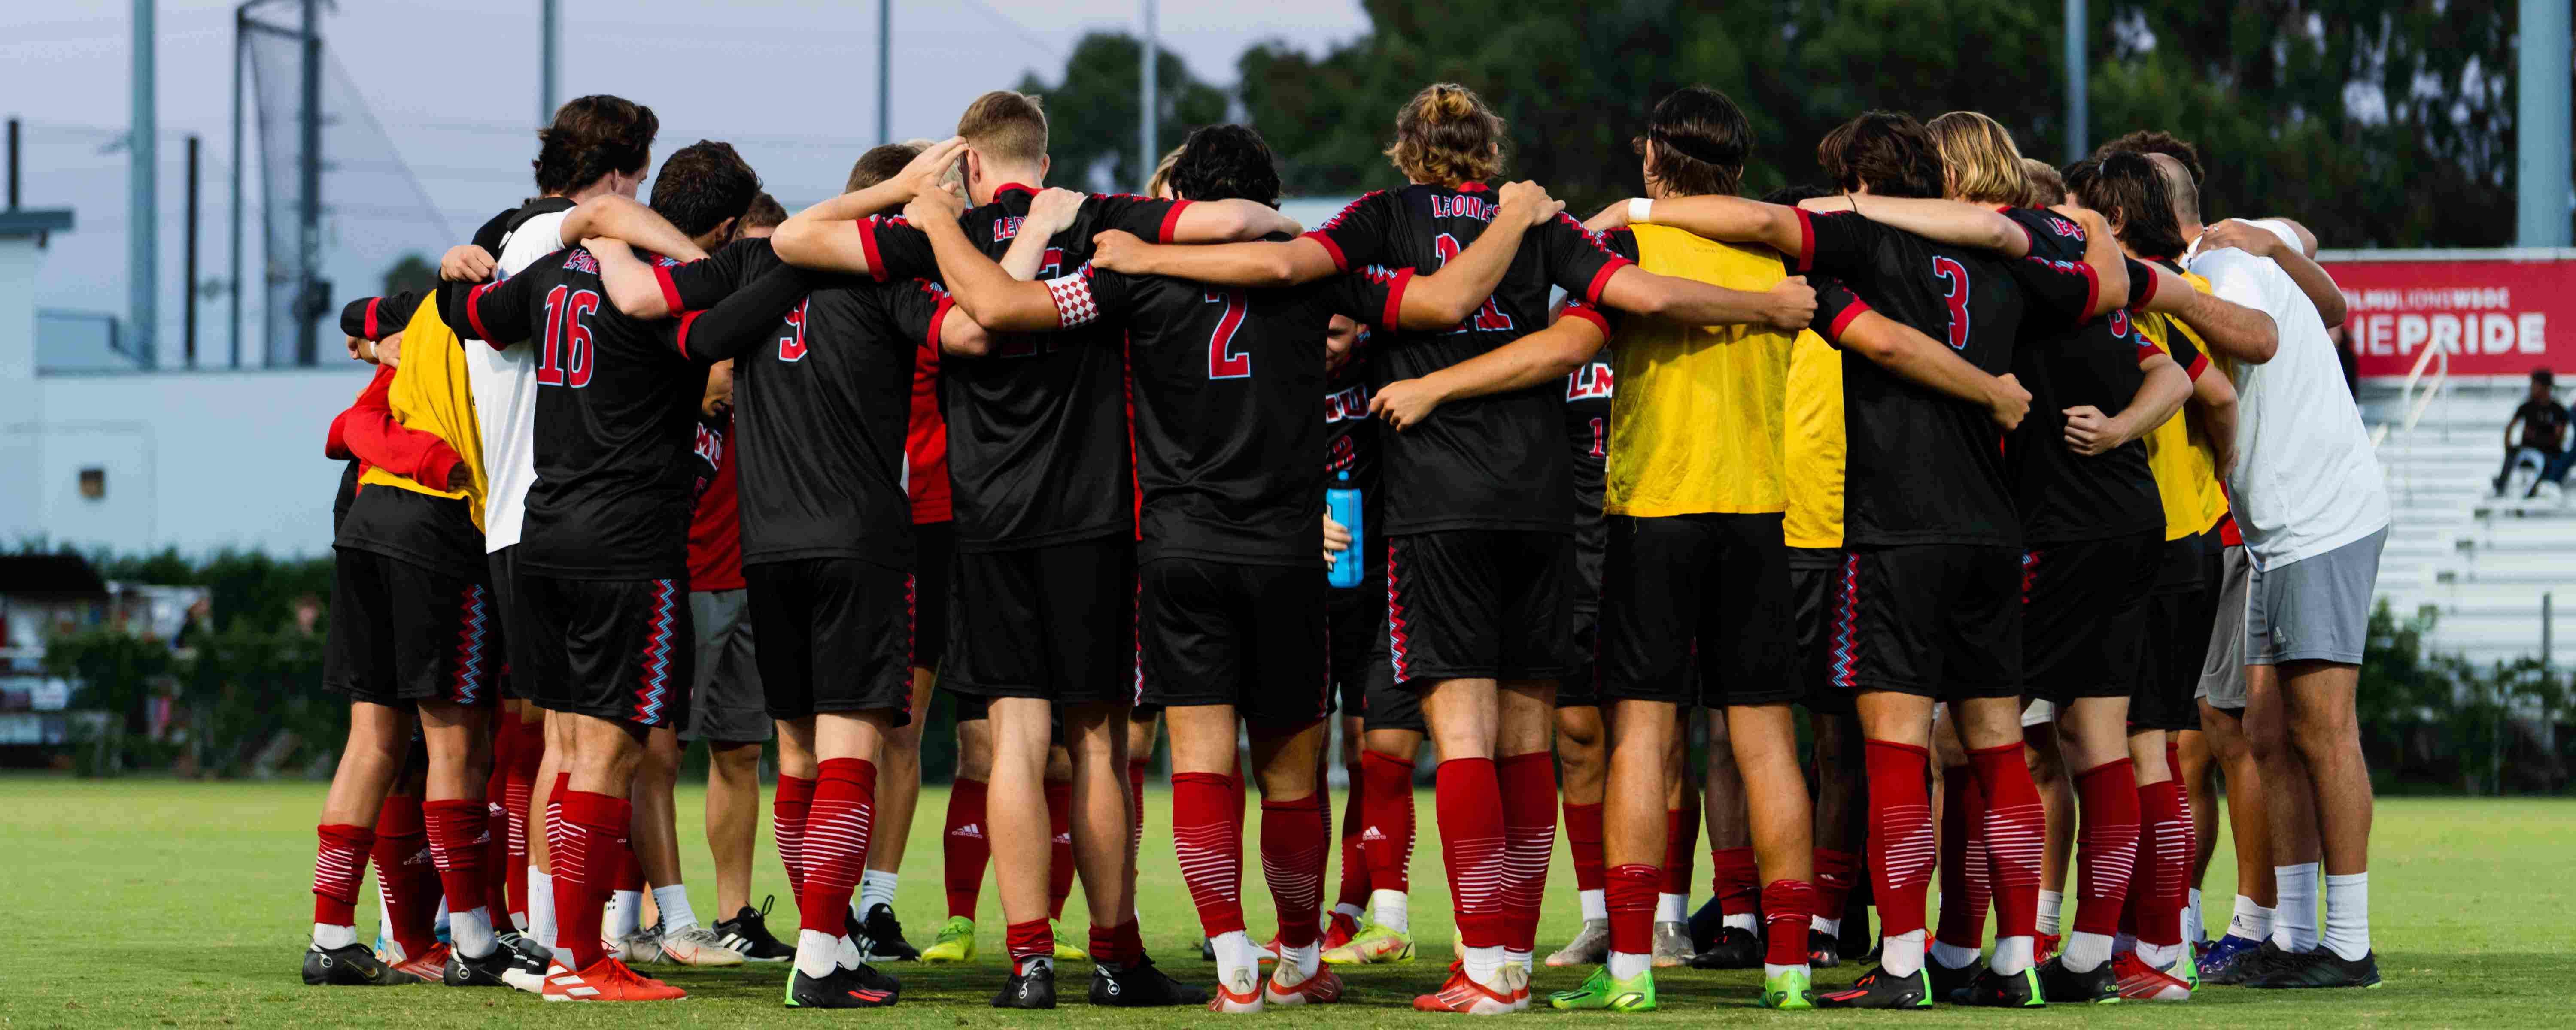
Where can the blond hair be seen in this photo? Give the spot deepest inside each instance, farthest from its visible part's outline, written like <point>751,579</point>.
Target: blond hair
<point>2047,188</point>
<point>1162,179</point>
<point>1979,158</point>
<point>1446,135</point>
<point>1006,125</point>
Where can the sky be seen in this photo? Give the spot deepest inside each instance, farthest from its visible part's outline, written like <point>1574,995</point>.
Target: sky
<point>792,83</point>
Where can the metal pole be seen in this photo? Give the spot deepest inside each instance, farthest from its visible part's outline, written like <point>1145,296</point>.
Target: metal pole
<point>2079,120</point>
<point>241,39</point>
<point>189,294</point>
<point>143,201</point>
<point>1145,118</point>
<point>548,38</point>
<point>885,72</point>
<point>13,164</point>
<point>308,199</point>
<point>2541,172</point>
<point>2547,624</point>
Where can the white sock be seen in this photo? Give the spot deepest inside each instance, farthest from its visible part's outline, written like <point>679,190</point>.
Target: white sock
<point>2085,952</point>
<point>2249,920</point>
<point>541,907</point>
<point>1236,954</point>
<point>1517,958</point>
<point>471,933</point>
<point>1343,908</point>
<point>2294,919</point>
<point>1306,960</point>
<point>327,936</point>
<point>875,888</point>
<point>1672,908</point>
<point>817,953</point>
<point>1745,921</point>
<point>1596,904</point>
<point>1390,909</point>
<point>2050,904</point>
<point>2195,926</point>
<point>1952,956</point>
<point>625,914</point>
<point>674,903</point>
<point>2348,915</point>
<point>847,955</point>
<point>1902,955</point>
<point>1828,927</point>
<point>1484,965</point>
<point>1769,970</point>
<point>2013,954</point>
<point>1624,964</point>
<point>2160,956</point>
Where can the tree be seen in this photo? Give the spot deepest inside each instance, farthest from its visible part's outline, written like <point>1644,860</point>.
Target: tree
<point>410,272</point>
<point>1091,113</point>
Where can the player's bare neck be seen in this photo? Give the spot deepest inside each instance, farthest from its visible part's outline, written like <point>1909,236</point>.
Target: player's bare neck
<point>997,175</point>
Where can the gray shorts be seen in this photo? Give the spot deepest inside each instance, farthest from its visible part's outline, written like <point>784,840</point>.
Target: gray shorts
<point>2222,671</point>
<point>2313,609</point>
<point>725,699</point>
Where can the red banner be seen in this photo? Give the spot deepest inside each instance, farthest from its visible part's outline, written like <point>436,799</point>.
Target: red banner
<point>2493,316</point>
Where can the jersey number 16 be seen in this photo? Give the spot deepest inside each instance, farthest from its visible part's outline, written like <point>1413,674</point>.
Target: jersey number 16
<point>564,356</point>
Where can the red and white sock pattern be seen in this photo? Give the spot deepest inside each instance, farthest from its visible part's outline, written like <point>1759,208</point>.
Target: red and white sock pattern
<point>1967,876</point>
<point>1209,846</point>
<point>1388,836</point>
<point>554,811</point>
<point>406,874</point>
<point>1472,847</point>
<point>1528,786</point>
<point>1583,845</point>
<point>587,850</point>
<point>339,866</point>
<point>2164,857</point>
<point>790,808</point>
<point>1292,861</point>
<point>964,847</point>
<point>456,844</point>
<point>1901,851</point>
<point>1836,873</point>
<point>1027,942</point>
<point>2108,850</point>
<point>2016,834</point>
<point>836,842</point>
<point>1786,907</point>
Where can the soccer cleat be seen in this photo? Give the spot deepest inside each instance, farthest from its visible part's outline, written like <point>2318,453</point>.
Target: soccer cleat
<point>1791,991</point>
<point>2319,968</point>
<point>1823,950</point>
<point>2187,968</point>
<point>1463,995</point>
<point>1705,921</point>
<point>643,946</point>
<point>428,966</point>
<point>1339,928</point>
<point>1990,989</point>
<point>955,943</point>
<point>1672,945</point>
<point>1318,988</point>
<point>698,946</point>
<point>1735,948</point>
<point>747,934</point>
<point>1207,949</point>
<point>1242,996</point>
<point>1269,952</point>
<point>881,937</point>
<point>2043,946</point>
<point>1138,985</point>
<point>1600,991</point>
<point>1878,990</point>
<point>2263,961</point>
<point>1588,948</point>
<point>608,980</point>
<point>2138,981</point>
<point>2224,962</point>
<point>502,968</point>
<point>350,966</point>
<point>1376,945</point>
<point>1064,949</point>
<point>2061,985</point>
<point>1030,988</point>
<point>840,989</point>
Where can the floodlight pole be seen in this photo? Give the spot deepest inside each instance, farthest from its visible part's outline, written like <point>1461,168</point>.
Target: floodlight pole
<point>143,199</point>
<point>2079,120</point>
<point>885,72</point>
<point>1152,153</point>
<point>549,39</point>
<point>2541,173</point>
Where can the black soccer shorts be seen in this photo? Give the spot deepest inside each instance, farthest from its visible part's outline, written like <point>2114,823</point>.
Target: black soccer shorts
<point>1941,621</point>
<point>1389,704</point>
<point>608,648</point>
<point>1815,585</point>
<point>402,633</point>
<point>1251,636</point>
<point>1055,622</point>
<point>1581,687</point>
<point>2177,644</point>
<point>503,566</point>
<point>835,636</point>
<point>934,552</point>
<point>2084,616</point>
<point>1711,587</point>
<point>1479,603</point>
<point>1357,614</point>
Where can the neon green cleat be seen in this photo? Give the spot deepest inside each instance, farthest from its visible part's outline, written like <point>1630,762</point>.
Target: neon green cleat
<point>1793,991</point>
<point>1376,945</point>
<point>956,942</point>
<point>2187,970</point>
<point>1064,950</point>
<point>1599,991</point>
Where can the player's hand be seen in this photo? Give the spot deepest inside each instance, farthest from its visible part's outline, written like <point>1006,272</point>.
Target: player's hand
<point>1529,202</point>
<point>2244,236</point>
<point>459,477</point>
<point>363,349</point>
<point>1053,210</point>
<point>2091,433</point>
<point>1118,251</point>
<point>598,245</point>
<point>2009,402</point>
<point>923,173</point>
<point>1613,217</point>
<point>389,351</point>
<point>1792,304</point>
<point>933,206</point>
<point>1337,539</point>
<point>466,263</point>
<point>1405,403</point>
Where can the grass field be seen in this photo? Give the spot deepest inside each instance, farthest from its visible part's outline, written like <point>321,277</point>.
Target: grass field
<point>158,903</point>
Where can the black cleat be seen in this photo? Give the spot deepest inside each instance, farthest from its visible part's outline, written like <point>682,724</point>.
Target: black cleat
<point>1140,985</point>
<point>350,966</point>
<point>1877,990</point>
<point>860,988</point>
<point>1706,922</point>
<point>1735,948</point>
<point>881,937</point>
<point>1032,989</point>
<point>2262,962</point>
<point>504,967</point>
<point>1947,983</point>
<point>1823,952</point>
<point>2320,968</point>
<point>748,933</point>
<point>1991,989</point>
<point>2065,986</point>
<point>1207,949</point>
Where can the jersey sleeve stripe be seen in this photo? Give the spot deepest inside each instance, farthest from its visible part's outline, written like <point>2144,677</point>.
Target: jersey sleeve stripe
<point>474,309</point>
<point>1806,240</point>
<point>1172,220</point>
<point>1601,279</point>
<point>670,290</point>
<point>1332,248</point>
<point>1843,320</point>
<point>2199,364</point>
<point>371,316</point>
<point>868,243</point>
<point>1394,317</point>
<point>686,321</point>
<point>938,316</point>
<point>2092,290</point>
<point>1588,313</point>
<point>2137,299</point>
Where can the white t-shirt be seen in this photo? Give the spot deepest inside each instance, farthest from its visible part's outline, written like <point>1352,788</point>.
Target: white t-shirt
<point>2305,479</point>
<point>505,397</point>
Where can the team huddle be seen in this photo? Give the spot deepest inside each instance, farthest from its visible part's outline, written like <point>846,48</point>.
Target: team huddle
<point>2023,484</point>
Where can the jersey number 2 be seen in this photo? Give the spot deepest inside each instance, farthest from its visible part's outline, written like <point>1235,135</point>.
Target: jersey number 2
<point>564,359</point>
<point>1957,274</point>
<point>1489,317</point>
<point>1223,362</point>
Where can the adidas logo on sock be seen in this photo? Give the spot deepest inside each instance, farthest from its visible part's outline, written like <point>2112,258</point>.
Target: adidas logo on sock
<point>968,830</point>
<point>1064,838</point>
<point>1372,834</point>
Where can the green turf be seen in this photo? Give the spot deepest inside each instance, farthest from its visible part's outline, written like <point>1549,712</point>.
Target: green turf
<point>155,903</point>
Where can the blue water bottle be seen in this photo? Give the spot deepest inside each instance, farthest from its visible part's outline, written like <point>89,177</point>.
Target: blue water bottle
<point>1343,501</point>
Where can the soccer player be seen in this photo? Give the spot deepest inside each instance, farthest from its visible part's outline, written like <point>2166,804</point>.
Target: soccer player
<point>1582,748</point>
<point>605,535</point>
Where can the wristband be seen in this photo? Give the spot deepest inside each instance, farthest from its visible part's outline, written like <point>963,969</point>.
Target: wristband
<point>1640,210</point>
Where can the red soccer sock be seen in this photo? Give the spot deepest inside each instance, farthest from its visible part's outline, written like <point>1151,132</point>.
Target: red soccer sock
<point>554,815</point>
<point>789,810</point>
<point>1034,939</point>
<point>1354,890</point>
<point>1059,800</point>
<point>1900,834</point>
<point>496,821</point>
<point>1470,802</point>
<point>836,842</point>
<point>2164,857</point>
<point>1631,898</point>
<point>457,830</point>
<point>1681,848</point>
<point>963,846</point>
<point>1528,785</point>
<point>2108,850</point>
<point>406,875</point>
<point>1209,847</point>
<point>515,792</point>
<point>1786,906</point>
<point>1732,877</point>
<point>1292,862</point>
<point>630,869</point>
<point>593,833</point>
<point>1583,844</point>
<point>1388,806</point>
<point>339,865</point>
<point>1836,871</point>
<point>1967,876</point>
<point>2016,831</point>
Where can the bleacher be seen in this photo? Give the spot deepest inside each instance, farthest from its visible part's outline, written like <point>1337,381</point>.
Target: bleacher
<point>2483,563</point>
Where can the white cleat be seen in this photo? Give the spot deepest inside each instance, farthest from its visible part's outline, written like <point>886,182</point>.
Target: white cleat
<point>698,946</point>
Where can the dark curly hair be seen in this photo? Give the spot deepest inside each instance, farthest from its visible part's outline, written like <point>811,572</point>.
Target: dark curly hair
<point>1792,195</point>
<point>1891,152</point>
<point>1224,162</point>
<point>703,184</point>
<point>1701,139</point>
<point>592,136</point>
<point>2130,190</point>
<point>2186,195</point>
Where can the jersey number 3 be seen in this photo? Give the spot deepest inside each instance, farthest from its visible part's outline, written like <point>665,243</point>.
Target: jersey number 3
<point>1957,275</point>
<point>1223,362</point>
<point>564,358</point>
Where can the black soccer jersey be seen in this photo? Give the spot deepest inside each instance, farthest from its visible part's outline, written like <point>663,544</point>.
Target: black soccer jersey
<point>821,410</point>
<point>1037,430</point>
<point>1587,435</point>
<point>1229,387</point>
<point>1924,468</point>
<point>617,403</point>
<point>1494,462</point>
<point>2062,496</point>
<point>1350,432</point>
